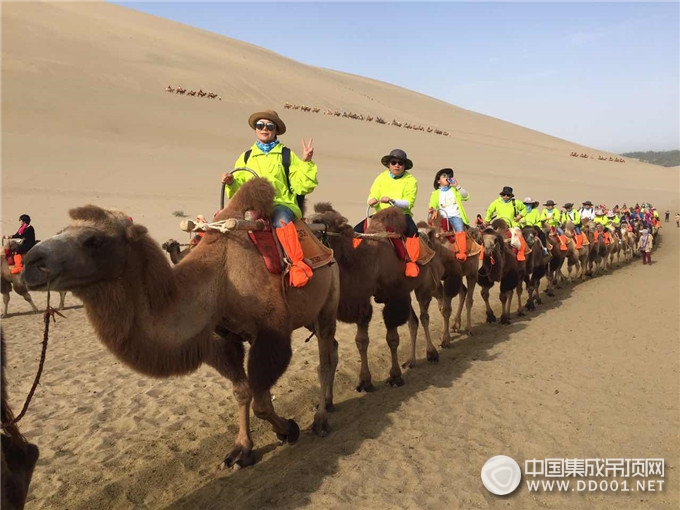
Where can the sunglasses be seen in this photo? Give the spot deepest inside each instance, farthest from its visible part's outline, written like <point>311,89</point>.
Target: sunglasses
<point>397,162</point>
<point>260,125</point>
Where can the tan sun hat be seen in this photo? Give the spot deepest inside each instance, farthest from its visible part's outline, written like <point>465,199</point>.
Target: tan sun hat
<point>269,115</point>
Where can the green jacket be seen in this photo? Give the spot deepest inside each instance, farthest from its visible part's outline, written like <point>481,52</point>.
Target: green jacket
<point>435,204</point>
<point>554,220</point>
<point>507,211</point>
<point>572,216</point>
<point>532,218</point>
<point>404,188</point>
<point>270,166</point>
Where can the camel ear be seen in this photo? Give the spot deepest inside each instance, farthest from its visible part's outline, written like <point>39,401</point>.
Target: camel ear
<point>135,232</point>
<point>323,207</point>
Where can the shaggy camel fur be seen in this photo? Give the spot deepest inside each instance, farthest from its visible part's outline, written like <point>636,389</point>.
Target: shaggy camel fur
<point>597,255</point>
<point>159,319</point>
<point>373,269</point>
<point>469,270</point>
<point>173,248</point>
<point>577,259</point>
<point>18,456</point>
<point>536,266</point>
<point>557,257</point>
<point>499,265</point>
<point>11,281</point>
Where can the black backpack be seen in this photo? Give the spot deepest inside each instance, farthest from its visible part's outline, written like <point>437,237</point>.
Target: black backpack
<point>285,157</point>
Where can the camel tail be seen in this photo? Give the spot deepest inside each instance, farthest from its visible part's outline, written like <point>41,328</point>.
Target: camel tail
<point>268,359</point>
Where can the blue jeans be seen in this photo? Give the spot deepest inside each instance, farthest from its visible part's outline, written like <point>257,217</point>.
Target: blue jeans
<point>559,231</point>
<point>456,223</point>
<point>283,214</point>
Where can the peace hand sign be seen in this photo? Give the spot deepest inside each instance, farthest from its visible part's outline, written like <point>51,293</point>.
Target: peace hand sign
<point>307,150</point>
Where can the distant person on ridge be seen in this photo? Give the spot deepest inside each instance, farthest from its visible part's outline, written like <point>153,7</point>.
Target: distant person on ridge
<point>396,186</point>
<point>266,159</point>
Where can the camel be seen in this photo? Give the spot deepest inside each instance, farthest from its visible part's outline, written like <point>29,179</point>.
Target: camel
<point>499,265</point>
<point>557,256</point>
<point>18,456</point>
<point>536,267</point>
<point>159,319</point>
<point>11,281</point>
<point>597,256</point>
<point>576,258</point>
<point>372,269</point>
<point>173,248</point>
<point>469,270</point>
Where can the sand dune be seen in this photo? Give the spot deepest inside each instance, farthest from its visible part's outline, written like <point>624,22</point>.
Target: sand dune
<point>86,119</point>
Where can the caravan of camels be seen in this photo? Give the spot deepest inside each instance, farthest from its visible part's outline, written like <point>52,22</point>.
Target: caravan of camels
<point>228,289</point>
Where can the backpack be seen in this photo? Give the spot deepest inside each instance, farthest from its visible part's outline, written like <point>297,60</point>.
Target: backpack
<point>285,157</point>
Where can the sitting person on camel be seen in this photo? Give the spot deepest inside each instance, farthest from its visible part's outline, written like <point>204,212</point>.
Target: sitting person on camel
<point>18,244</point>
<point>266,159</point>
<point>447,200</point>
<point>397,186</point>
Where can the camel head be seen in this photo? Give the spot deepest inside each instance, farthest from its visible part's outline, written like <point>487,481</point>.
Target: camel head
<point>171,246</point>
<point>334,221</point>
<point>94,248</point>
<point>530,235</point>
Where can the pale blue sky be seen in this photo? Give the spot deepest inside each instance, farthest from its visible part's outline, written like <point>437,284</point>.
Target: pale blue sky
<point>606,75</point>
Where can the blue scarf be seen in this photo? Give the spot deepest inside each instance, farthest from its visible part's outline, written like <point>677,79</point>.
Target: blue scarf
<point>529,208</point>
<point>444,188</point>
<point>266,147</point>
<point>395,176</point>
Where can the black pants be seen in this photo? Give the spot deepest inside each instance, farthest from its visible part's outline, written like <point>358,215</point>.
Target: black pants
<point>411,228</point>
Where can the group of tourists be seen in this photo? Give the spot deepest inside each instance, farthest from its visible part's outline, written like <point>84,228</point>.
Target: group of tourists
<point>293,177</point>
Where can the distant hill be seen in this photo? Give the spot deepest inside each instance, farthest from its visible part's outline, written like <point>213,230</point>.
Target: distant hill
<point>663,158</point>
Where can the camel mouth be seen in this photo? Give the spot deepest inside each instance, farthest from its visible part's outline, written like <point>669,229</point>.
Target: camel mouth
<point>37,277</point>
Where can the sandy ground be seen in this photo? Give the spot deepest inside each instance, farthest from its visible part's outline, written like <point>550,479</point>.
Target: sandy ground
<point>85,119</point>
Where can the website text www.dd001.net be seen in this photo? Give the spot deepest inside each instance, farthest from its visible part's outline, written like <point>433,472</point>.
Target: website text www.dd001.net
<point>645,485</point>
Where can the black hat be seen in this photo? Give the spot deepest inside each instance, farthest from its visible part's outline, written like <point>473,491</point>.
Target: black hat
<point>588,202</point>
<point>443,171</point>
<point>568,205</point>
<point>397,154</point>
<point>550,202</point>
<point>507,190</point>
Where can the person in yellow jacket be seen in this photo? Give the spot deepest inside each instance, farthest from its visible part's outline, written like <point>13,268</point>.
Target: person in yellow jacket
<point>572,215</point>
<point>600,218</point>
<point>506,207</point>
<point>533,219</point>
<point>266,160</point>
<point>447,201</point>
<point>396,186</point>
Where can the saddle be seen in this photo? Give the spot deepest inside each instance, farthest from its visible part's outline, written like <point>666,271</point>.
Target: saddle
<point>473,247</point>
<point>316,254</point>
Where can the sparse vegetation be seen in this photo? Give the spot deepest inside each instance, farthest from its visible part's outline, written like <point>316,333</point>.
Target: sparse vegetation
<point>663,158</point>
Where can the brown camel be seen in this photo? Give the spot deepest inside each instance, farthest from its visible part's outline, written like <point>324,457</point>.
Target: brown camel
<point>577,258</point>
<point>536,266</point>
<point>173,248</point>
<point>18,457</point>
<point>499,265</point>
<point>469,270</point>
<point>557,257</point>
<point>372,269</point>
<point>159,319</point>
<point>11,281</point>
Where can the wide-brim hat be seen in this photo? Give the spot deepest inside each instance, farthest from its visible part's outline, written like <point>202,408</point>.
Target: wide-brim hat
<point>397,154</point>
<point>507,190</point>
<point>550,202</point>
<point>269,115</point>
<point>568,205</point>
<point>443,171</point>
<point>588,202</point>
<point>599,212</point>
<point>529,200</point>
<point>610,214</point>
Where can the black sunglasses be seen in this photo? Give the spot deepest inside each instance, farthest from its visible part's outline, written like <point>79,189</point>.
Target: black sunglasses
<point>397,162</point>
<point>260,125</point>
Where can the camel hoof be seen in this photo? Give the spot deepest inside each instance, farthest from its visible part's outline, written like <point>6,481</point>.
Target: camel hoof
<point>490,318</point>
<point>539,301</point>
<point>433,356</point>
<point>320,427</point>
<point>445,344</point>
<point>520,314</point>
<point>395,381</point>
<point>411,363</point>
<point>365,386</point>
<point>505,319</point>
<point>238,458</point>
<point>530,307</point>
<point>292,435</point>
<point>550,293</point>
<point>330,407</point>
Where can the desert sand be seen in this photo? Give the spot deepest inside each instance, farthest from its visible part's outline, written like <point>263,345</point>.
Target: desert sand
<point>594,372</point>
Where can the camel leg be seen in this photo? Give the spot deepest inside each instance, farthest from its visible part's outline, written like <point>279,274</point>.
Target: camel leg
<point>227,358</point>
<point>29,300</point>
<point>395,378</point>
<point>5,301</point>
<point>469,300</point>
<point>328,362</point>
<point>519,290</point>
<point>413,333</point>
<point>490,317</point>
<point>506,301</point>
<point>62,299</point>
<point>424,300</point>
<point>444,303</point>
<point>361,339</point>
<point>462,294</point>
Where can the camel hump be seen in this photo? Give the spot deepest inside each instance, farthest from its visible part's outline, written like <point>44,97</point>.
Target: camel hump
<point>256,194</point>
<point>391,219</point>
